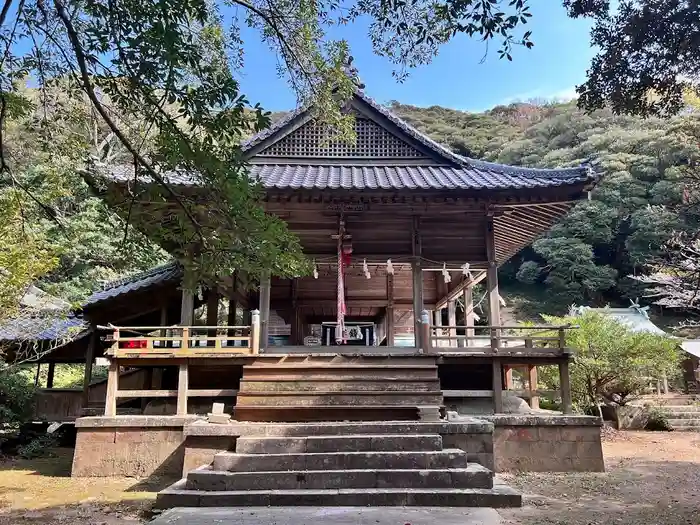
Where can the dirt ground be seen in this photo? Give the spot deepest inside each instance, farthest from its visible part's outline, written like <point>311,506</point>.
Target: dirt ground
<point>651,479</point>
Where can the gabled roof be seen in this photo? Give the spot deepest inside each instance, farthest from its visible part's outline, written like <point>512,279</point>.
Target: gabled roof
<point>170,272</point>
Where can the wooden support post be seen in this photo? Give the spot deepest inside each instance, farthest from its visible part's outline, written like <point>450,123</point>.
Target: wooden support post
<point>389,310</point>
<point>438,327</point>
<point>38,373</point>
<point>565,385</point>
<point>452,321</point>
<point>468,316</point>
<point>509,377</point>
<point>532,385</point>
<point>231,319</point>
<point>417,271</point>
<point>295,336</point>
<point>212,313</point>
<point>182,386</point>
<point>492,285</point>
<point>497,373</point>
<point>89,360</point>
<point>255,332</point>
<point>264,311</point>
<point>112,388</point>
<point>425,332</point>
<point>49,376</point>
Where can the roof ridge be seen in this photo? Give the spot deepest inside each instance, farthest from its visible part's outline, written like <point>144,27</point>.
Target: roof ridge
<point>140,275</point>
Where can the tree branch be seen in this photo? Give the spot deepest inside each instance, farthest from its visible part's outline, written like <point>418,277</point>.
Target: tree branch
<point>90,91</point>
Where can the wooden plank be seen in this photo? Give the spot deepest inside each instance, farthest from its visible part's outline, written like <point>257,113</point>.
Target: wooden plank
<point>182,387</point>
<point>112,388</point>
<point>146,393</point>
<point>532,386</point>
<point>215,392</point>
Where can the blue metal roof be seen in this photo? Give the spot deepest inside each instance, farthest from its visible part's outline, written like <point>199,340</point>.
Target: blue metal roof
<point>43,326</point>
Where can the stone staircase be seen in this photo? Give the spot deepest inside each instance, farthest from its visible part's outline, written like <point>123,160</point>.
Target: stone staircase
<point>386,466</point>
<point>339,388</point>
<point>683,417</point>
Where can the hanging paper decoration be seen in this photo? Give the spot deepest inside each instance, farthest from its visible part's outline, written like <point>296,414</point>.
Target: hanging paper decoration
<point>200,294</point>
<point>365,269</point>
<point>389,267</point>
<point>466,271</point>
<point>501,300</point>
<point>315,270</point>
<point>446,274</point>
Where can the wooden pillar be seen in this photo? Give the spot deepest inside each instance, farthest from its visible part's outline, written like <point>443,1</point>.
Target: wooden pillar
<point>497,385</point>
<point>232,309</point>
<point>452,321</point>
<point>182,386</point>
<point>38,373</point>
<point>468,316</point>
<point>296,336</point>
<point>532,384</point>
<point>438,327</point>
<point>389,310</point>
<point>49,376</point>
<point>565,385</point>
<point>112,388</point>
<point>255,332</point>
<point>417,270</point>
<point>89,360</point>
<point>264,311</point>
<point>212,313</point>
<point>492,284</point>
<point>509,377</point>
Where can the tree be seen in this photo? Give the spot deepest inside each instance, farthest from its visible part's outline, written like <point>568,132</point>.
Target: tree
<point>649,54</point>
<point>613,364</point>
<point>159,76</point>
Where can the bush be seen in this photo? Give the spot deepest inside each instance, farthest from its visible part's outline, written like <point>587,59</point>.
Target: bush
<point>39,447</point>
<point>16,399</point>
<point>657,420</point>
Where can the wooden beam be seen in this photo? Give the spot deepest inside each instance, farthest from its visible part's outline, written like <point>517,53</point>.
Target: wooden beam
<point>112,387</point>
<point>264,310</point>
<point>466,283</point>
<point>492,284</point>
<point>89,360</point>
<point>182,386</point>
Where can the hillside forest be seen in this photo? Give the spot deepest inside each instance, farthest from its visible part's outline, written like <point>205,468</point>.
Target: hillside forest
<point>585,259</point>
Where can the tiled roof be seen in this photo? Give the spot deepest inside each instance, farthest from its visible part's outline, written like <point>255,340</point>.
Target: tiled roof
<point>481,176</point>
<point>159,275</point>
<point>42,326</point>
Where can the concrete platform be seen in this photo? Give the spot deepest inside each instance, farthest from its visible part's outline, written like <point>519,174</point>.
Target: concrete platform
<point>329,516</point>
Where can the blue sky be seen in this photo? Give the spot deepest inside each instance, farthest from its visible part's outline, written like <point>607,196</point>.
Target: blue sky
<point>455,78</point>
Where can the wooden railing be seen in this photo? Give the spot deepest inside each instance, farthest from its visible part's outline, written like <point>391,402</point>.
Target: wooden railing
<point>498,339</point>
<point>184,341</point>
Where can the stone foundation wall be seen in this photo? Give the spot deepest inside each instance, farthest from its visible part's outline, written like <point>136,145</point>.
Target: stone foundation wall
<point>547,444</point>
<point>132,446</point>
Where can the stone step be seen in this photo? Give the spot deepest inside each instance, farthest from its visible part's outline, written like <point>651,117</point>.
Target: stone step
<point>355,399</point>
<point>448,458</point>
<point>336,385</point>
<point>678,408</point>
<point>474,476</point>
<point>354,443</point>
<point>499,496</point>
